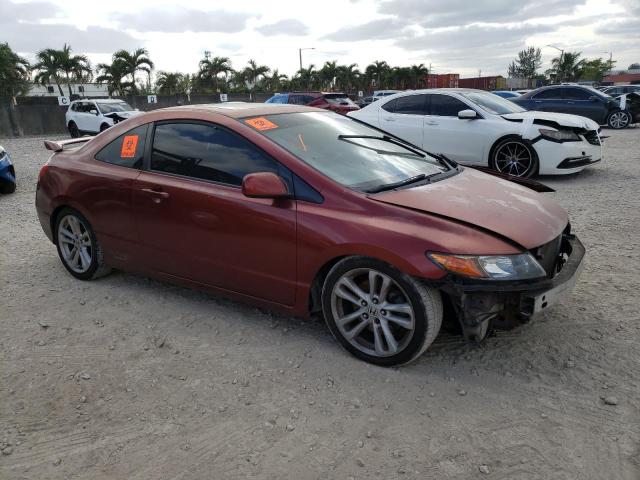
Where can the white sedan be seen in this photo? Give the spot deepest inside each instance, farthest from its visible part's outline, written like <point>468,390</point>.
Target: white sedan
<point>475,127</point>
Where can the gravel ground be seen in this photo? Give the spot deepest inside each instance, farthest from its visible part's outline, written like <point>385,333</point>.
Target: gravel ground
<point>126,377</point>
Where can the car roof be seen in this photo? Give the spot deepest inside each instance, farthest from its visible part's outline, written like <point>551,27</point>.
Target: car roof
<point>242,109</point>
<point>101,100</point>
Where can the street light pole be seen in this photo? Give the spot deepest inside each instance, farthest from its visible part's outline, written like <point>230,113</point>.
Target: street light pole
<point>300,54</point>
<point>561,56</point>
<point>610,61</point>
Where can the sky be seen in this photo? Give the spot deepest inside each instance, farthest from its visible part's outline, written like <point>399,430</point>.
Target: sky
<point>469,37</point>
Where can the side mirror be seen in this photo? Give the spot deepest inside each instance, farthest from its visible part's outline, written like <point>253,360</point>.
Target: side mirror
<point>264,185</point>
<point>93,111</point>
<point>467,114</point>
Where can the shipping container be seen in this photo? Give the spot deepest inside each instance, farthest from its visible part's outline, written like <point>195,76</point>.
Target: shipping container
<point>484,83</point>
<point>442,80</point>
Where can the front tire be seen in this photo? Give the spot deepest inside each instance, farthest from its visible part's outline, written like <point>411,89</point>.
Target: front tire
<point>78,246</point>
<point>103,127</point>
<point>73,130</point>
<point>379,314</point>
<point>618,119</point>
<point>512,156</point>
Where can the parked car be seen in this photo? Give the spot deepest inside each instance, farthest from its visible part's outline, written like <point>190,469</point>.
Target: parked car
<point>305,210</point>
<point>475,127</point>
<point>506,93</point>
<point>336,102</point>
<point>94,116</point>
<point>7,173</point>
<point>616,91</point>
<point>578,100</point>
<point>384,93</point>
<point>363,102</point>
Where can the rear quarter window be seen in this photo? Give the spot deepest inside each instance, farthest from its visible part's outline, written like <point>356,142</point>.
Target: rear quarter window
<point>127,150</point>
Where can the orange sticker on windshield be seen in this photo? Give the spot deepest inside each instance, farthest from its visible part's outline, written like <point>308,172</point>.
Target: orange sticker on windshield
<point>129,145</point>
<point>261,123</point>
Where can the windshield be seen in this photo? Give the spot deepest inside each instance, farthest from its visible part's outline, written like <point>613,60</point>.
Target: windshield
<point>493,103</point>
<point>334,145</point>
<point>114,107</point>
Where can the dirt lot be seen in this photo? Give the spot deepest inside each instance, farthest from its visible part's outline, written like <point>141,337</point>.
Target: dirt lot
<point>130,378</point>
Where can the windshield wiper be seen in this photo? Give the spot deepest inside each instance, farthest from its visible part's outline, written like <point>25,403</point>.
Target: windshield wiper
<point>401,183</point>
<point>384,138</point>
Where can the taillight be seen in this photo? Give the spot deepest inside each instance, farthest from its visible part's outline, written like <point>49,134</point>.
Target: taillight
<point>43,170</point>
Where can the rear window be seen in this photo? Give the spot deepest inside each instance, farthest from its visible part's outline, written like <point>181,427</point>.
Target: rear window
<point>338,100</point>
<point>127,150</point>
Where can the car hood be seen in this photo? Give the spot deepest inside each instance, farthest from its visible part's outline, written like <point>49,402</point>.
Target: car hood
<point>527,218</point>
<point>562,119</point>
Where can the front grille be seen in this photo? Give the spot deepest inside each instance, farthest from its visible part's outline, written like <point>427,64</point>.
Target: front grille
<point>547,255</point>
<point>592,137</point>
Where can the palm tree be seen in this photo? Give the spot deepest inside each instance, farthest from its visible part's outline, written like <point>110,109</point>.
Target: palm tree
<point>134,62</point>
<point>274,81</point>
<point>48,68</point>
<point>567,67</point>
<point>113,75</point>
<point>210,68</point>
<point>307,77</point>
<point>169,82</point>
<point>418,75</point>
<point>399,77</point>
<point>14,72</point>
<point>377,71</point>
<point>76,68</point>
<point>347,76</point>
<point>251,73</point>
<point>328,72</point>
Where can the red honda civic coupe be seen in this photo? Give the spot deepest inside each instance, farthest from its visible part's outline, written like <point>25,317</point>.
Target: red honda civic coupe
<point>305,210</point>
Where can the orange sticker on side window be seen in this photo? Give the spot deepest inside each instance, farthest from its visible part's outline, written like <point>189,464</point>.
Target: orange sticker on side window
<point>261,123</point>
<point>129,144</point>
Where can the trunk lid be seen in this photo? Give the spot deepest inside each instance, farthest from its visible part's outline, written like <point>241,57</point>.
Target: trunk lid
<point>528,218</point>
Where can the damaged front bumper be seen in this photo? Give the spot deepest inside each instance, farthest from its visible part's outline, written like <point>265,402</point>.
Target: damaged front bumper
<point>503,304</point>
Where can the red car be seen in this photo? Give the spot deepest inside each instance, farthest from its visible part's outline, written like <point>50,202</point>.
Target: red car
<point>306,211</point>
<point>336,102</point>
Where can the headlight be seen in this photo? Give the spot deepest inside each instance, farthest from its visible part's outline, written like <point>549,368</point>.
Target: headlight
<point>491,267</point>
<point>560,135</point>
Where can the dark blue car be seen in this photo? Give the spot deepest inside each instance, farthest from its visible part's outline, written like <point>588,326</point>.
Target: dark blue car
<point>506,94</point>
<point>577,100</point>
<point>7,173</point>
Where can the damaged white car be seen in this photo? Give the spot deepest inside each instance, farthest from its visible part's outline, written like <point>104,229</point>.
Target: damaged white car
<point>481,129</point>
<point>89,117</point>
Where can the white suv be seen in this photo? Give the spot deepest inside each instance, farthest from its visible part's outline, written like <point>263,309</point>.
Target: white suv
<point>94,116</point>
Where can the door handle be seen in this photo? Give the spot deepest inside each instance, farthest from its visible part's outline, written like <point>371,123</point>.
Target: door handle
<point>431,123</point>
<point>389,119</point>
<point>158,194</point>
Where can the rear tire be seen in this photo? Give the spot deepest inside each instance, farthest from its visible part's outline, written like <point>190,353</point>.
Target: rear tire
<point>103,127</point>
<point>73,130</point>
<point>78,247</point>
<point>378,313</point>
<point>618,119</point>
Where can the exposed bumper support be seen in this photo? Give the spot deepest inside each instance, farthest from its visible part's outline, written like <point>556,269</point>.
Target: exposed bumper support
<point>505,304</point>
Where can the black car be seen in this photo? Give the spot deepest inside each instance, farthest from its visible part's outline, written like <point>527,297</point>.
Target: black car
<point>363,102</point>
<point>578,100</point>
<point>618,90</point>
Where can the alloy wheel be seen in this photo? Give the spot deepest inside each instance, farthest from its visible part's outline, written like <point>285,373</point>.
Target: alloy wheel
<point>372,312</point>
<point>618,120</point>
<point>513,158</point>
<point>75,243</point>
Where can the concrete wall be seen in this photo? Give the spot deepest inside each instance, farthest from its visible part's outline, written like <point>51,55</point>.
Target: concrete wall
<point>43,116</point>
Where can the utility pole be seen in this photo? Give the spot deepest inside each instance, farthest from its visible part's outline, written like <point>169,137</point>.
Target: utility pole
<point>300,54</point>
<point>610,61</point>
<point>561,50</point>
